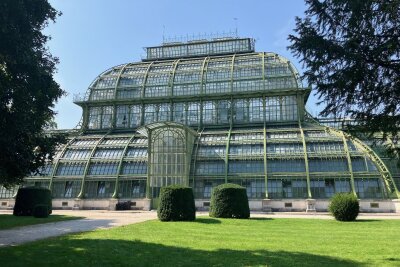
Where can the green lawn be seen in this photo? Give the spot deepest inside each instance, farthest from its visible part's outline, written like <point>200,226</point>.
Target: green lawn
<point>220,242</point>
<point>11,221</point>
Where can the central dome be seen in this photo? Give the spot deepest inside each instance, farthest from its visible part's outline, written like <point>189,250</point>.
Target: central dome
<point>201,76</point>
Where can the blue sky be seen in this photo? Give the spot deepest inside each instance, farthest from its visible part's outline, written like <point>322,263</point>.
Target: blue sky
<point>94,35</point>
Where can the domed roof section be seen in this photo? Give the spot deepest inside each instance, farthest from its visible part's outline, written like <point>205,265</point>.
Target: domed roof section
<point>195,76</point>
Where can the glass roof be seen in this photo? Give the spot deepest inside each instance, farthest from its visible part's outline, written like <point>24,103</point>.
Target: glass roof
<point>211,75</point>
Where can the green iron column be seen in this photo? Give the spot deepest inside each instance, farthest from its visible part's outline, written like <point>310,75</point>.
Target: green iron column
<point>148,190</point>
<point>195,154</point>
<point>232,69</point>
<point>203,70</point>
<point>143,93</point>
<point>172,77</point>
<point>346,149</point>
<point>309,195</point>
<point>265,162</point>
<point>227,155</point>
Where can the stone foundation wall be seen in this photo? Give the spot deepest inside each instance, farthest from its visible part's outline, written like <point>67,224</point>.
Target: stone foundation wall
<point>266,205</point>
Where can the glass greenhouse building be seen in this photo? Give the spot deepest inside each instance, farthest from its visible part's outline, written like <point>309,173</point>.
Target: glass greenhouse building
<point>203,113</point>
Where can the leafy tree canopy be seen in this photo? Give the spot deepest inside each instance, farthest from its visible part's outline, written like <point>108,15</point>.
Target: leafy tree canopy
<point>27,89</point>
<point>351,52</point>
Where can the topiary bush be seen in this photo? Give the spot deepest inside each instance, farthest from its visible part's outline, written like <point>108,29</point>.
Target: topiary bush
<point>41,211</point>
<point>229,201</point>
<point>176,204</point>
<point>344,207</point>
<point>28,197</point>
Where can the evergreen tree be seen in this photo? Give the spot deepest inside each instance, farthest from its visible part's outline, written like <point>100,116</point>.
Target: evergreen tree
<point>351,52</point>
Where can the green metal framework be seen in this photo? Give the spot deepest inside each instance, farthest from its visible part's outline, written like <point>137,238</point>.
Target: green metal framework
<point>240,117</point>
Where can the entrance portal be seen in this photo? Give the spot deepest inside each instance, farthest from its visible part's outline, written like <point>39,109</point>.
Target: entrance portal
<point>170,150</point>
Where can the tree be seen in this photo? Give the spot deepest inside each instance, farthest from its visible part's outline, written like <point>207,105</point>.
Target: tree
<point>351,52</point>
<point>27,89</point>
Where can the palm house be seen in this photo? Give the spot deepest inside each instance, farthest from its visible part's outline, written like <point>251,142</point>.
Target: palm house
<point>202,113</point>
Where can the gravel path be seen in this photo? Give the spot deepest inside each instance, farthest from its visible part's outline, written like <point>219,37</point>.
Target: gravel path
<point>95,219</point>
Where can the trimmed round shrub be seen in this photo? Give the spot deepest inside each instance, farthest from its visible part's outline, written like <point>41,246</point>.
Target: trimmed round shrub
<point>176,204</point>
<point>28,197</point>
<point>41,211</point>
<point>344,207</point>
<point>229,201</point>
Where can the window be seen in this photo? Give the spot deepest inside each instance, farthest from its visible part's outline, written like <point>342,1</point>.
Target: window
<point>115,141</point>
<point>150,114</point>
<point>85,142</point>
<point>283,165</point>
<point>103,168</point>
<point>128,93</point>
<point>134,168</point>
<point>217,87</point>
<point>132,189</point>
<point>210,167</point>
<point>256,110</point>
<point>246,166</point>
<point>202,187</point>
<point>136,152</point>
<point>157,91</point>
<point>122,117</point>
<point>100,117</point>
<point>212,151</point>
<point>108,153</point>
<point>77,153</point>
<point>368,188</point>
<point>223,111</point>
<point>186,89</point>
<point>164,112</point>
<point>94,118</point>
<point>107,117</point>
<point>7,193</point>
<point>255,149</point>
<point>241,111</point>
<point>67,189</point>
<point>193,116</point>
<point>358,165</point>
<point>70,169</point>
<point>99,189</point>
<point>328,165</point>
<point>255,188</point>
<point>179,114</point>
<point>284,148</point>
<point>129,81</point>
<point>209,113</point>
<point>106,82</point>
<point>135,116</point>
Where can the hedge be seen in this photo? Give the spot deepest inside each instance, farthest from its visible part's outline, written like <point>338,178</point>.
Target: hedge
<point>229,201</point>
<point>41,211</point>
<point>28,197</point>
<point>344,207</point>
<point>176,204</point>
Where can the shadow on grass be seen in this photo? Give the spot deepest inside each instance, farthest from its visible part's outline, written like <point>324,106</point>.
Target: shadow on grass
<point>108,252</point>
<point>207,220</point>
<point>261,219</point>
<point>366,220</point>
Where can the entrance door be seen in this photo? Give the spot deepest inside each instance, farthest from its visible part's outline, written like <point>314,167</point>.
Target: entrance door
<point>168,160</point>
